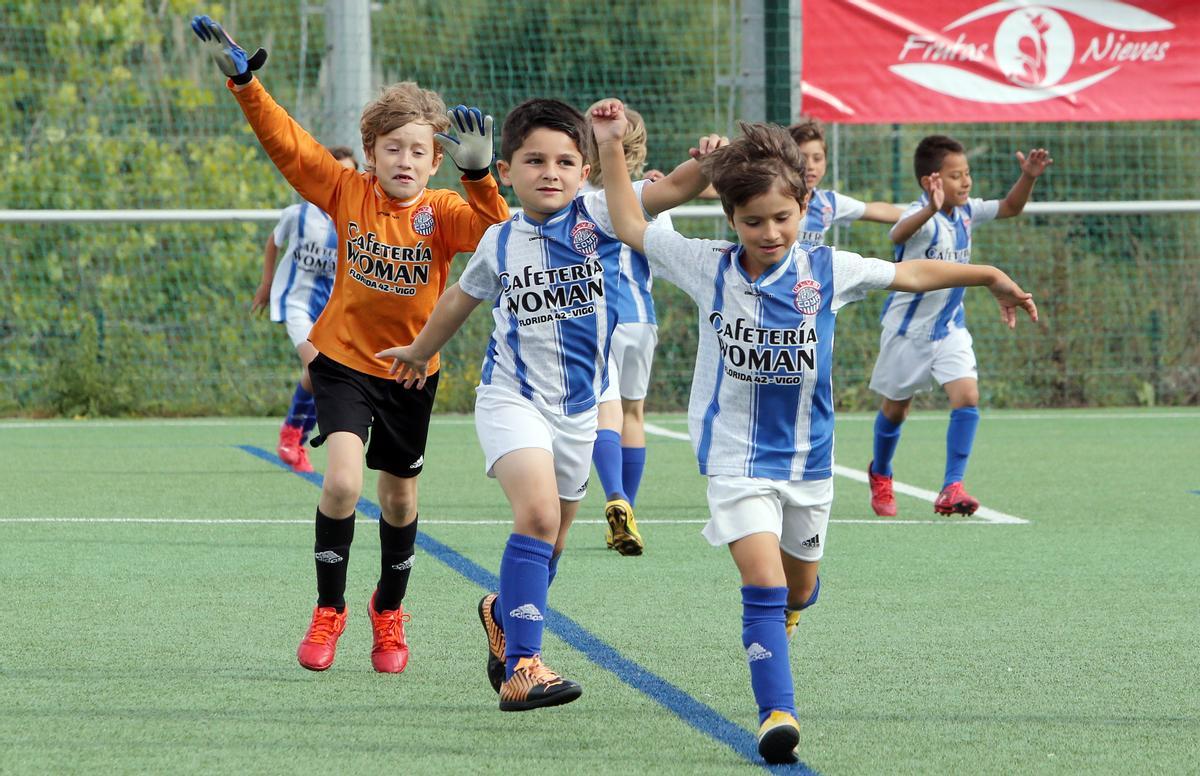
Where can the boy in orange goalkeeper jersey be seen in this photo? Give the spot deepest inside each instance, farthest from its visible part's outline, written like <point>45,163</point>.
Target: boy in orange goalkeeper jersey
<point>395,243</point>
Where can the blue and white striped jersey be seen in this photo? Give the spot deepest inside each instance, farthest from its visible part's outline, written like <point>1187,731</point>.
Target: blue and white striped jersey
<point>304,278</point>
<point>826,208</point>
<point>930,315</point>
<point>634,302</point>
<point>552,285</point>
<point>762,391</point>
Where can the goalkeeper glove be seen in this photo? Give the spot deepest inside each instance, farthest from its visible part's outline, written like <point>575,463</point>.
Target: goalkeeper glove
<point>472,149</point>
<point>228,55</point>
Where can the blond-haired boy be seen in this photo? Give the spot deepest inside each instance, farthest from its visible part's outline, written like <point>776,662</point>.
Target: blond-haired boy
<point>396,240</point>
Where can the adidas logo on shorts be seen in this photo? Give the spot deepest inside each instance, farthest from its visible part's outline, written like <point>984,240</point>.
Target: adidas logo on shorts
<point>404,564</point>
<point>757,651</point>
<point>812,543</point>
<point>328,556</point>
<point>526,612</point>
<point>417,464</point>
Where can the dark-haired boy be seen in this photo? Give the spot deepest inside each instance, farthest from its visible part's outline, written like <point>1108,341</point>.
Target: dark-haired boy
<point>925,338</point>
<point>548,273</point>
<point>761,410</point>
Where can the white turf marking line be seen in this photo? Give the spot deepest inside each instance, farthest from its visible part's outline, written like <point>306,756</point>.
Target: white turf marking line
<point>1001,416</point>
<point>289,521</point>
<point>59,423</point>
<point>984,515</point>
<point>463,420</point>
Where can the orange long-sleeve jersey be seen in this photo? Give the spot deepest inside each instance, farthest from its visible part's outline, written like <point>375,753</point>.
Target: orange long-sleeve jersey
<point>393,258</point>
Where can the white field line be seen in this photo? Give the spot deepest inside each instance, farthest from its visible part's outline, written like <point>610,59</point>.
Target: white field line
<point>463,420</point>
<point>1000,416</point>
<point>180,423</point>
<point>984,515</point>
<point>290,521</point>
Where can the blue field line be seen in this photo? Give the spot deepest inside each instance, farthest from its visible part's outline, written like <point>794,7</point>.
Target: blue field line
<point>698,715</point>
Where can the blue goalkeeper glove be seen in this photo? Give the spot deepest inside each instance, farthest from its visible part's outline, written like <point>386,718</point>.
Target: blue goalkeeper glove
<point>472,150</point>
<point>228,55</point>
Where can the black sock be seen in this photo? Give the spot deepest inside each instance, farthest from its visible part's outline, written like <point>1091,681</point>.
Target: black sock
<point>395,563</point>
<point>332,553</point>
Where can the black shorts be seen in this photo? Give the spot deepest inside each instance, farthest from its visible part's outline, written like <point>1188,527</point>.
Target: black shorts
<point>394,419</point>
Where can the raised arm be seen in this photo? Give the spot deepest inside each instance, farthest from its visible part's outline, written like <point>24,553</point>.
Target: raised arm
<point>921,275</point>
<point>903,231</point>
<point>309,168</point>
<point>1032,168</point>
<point>410,363</point>
<point>608,125</point>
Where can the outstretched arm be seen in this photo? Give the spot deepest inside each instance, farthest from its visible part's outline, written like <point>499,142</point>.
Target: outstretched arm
<point>903,231</point>
<point>921,275</point>
<point>882,213</point>
<point>1032,168</point>
<point>410,363</point>
<point>684,183</point>
<point>608,125</point>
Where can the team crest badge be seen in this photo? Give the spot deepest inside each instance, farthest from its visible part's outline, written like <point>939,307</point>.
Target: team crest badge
<point>584,238</point>
<point>826,216</point>
<point>808,297</point>
<point>422,221</point>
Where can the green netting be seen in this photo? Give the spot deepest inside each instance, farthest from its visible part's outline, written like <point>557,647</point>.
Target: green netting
<point>113,105</point>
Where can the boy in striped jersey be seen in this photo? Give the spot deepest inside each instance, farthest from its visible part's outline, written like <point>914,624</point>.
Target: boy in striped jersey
<point>761,408</point>
<point>396,239</point>
<point>826,207</point>
<point>295,291</point>
<point>925,337</point>
<point>550,275</point>
<point>620,450</point>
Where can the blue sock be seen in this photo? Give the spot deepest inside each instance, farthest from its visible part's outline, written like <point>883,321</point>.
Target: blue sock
<point>301,409</point>
<point>887,436</point>
<point>524,574</point>
<point>765,639</point>
<point>553,569</point>
<point>606,454</point>
<point>960,436</point>
<point>633,463</point>
<point>309,424</point>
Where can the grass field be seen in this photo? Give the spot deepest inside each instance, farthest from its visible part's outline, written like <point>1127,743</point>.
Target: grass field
<point>157,576</point>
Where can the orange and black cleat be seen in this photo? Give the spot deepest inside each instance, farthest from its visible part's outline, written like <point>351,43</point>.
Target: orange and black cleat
<point>496,642</point>
<point>533,685</point>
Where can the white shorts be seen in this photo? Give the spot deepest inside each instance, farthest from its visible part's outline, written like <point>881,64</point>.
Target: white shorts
<point>630,357</point>
<point>298,326</point>
<point>796,511</point>
<point>907,365</point>
<point>506,421</point>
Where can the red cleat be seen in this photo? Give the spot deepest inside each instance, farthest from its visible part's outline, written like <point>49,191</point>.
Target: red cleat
<point>320,642</point>
<point>883,501</point>
<point>953,500</point>
<point>291,450</point>
<point>389,653</point>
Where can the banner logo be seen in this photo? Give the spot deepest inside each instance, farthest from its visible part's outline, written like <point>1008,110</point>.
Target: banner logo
<point>1033,49</point>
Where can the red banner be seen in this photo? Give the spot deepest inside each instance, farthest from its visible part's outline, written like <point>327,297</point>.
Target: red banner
<point>872,61</point>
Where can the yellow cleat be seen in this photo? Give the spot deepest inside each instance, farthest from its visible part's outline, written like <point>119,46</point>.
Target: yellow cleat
<point>792,622</point>
<point>622,534</point>
<point>778,738</point>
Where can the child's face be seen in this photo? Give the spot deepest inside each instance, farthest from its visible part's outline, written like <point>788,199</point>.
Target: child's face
<point>767,226</point>
<point>404,159</point>
<point>956,179</point>
<point>813,152</point>
<point>545,172</point>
